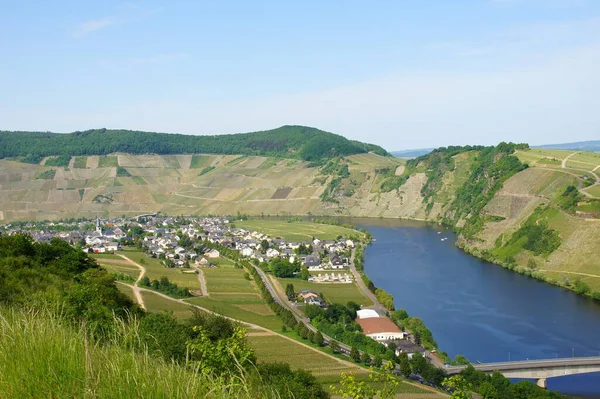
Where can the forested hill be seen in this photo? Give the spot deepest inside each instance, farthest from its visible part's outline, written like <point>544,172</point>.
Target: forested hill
<point>301,142</point>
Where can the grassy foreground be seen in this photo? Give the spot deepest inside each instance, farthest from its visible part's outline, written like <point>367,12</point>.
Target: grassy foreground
<point>42,357</point>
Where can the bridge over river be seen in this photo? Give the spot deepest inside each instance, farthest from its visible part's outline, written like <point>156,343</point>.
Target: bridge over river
<point>539,370</point>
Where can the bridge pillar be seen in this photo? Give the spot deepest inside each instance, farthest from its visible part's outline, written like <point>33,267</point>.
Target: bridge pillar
<point>541,382</point>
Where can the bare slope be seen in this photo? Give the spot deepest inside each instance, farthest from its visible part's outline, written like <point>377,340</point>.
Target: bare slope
<point>124,184</point>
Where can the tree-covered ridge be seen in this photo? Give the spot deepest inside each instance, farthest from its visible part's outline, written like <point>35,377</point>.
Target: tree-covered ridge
<point>301,142</point>
<point>491,167</point>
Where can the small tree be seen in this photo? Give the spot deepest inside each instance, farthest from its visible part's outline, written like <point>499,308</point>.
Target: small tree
<point>304,274</point>
<point>405,368</point>
<point>377,361</point>
<point>355,354</point>
<point>319,340</point>
<point>488,391</point>
<point>264,244</point>
<point>289,291</point>
<point>462,388</point>
<point>365,358</point>
<point>334,346</point>
<point>417,338</point>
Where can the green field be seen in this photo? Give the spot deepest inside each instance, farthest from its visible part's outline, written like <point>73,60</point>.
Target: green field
<point>80,162</point>
<point>154,271</point>
<point>105,256</point>
<point>127,291</point>
<point>593,190</point>
<point>295,231</point>
<point>198,161</point>
<point>272,348</point>
<point>224,279</point>
<point>157,304</point>
<point>248,307</point>
<point>334,293</point>
<point>108,162</point>
<point>124,268</point>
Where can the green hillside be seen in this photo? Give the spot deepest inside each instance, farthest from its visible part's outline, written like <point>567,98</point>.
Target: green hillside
<point>66,331</point>
<point>299,142</point>
<point>534,211</point>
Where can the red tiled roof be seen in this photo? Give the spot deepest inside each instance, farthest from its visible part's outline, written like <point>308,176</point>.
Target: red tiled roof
<point>375,325</point>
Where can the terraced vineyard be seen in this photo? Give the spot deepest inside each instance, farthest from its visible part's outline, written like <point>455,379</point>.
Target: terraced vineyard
<point>355,185</point>
<point>173,184</point>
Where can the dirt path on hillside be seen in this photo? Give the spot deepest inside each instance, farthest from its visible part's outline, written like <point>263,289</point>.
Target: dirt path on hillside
<point>244,201</point>
<point>134,287</point>
<point>202,281</point>
<point>250,325</point>
<point>564,161</point>
<point>567,272</point>
<point>581,190</point>
<point>261,334</point>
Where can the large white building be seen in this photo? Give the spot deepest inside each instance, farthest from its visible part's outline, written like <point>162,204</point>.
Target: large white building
<point>366,314</point>
<point>380,328</point>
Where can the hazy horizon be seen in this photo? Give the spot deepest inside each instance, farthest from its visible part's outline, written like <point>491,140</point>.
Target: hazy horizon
<point>400,74</point>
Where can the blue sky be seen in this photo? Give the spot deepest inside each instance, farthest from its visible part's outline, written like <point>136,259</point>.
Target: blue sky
<point>402,74</point>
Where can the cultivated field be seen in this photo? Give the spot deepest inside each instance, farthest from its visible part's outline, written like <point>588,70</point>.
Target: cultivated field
<point>333,293</point>
<point>156,304</point>
<point>272,348</point>
<point>178,184</point>
<point>117,266</point>
<point>155,270</point>
<point>226,280</point>
<point>234,295</point>
<point>295,231</point>
<point>248,307</point>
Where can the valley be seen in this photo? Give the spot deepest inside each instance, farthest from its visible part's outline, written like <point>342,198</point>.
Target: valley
<point>432,188</point>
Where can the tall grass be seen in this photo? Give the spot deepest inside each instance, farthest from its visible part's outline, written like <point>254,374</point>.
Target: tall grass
<point>41,356</point>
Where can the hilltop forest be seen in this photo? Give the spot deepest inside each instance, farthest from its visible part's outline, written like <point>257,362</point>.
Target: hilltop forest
<point>299,142</point>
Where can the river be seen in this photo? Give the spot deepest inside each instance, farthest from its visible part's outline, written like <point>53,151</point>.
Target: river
<point>478,309</point>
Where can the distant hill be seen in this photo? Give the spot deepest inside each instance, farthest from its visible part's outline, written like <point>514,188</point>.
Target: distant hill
<point>411,153</point>
<point>593,146</point>
<point>299,142</point>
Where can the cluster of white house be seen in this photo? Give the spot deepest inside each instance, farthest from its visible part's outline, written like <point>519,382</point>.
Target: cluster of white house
<point>101,241</point>
<point>333,278</point>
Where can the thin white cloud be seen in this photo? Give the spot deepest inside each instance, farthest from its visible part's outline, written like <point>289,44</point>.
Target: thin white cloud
<point>92,26</point>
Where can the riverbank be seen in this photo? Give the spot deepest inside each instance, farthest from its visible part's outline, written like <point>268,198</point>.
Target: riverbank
<point>579,287</point>
<point>574,285</point>
<point>479,310</point>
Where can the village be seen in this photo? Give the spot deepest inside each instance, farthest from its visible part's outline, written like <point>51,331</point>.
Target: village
<point>173,241</point>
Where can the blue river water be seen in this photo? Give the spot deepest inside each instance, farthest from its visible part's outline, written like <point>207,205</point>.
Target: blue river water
<point>478,309</point>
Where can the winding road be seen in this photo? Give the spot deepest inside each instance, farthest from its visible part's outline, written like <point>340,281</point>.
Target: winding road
<point>344,349</point>
<point>582,190</point>
<point>135,288</point>
<point>264,331</point>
